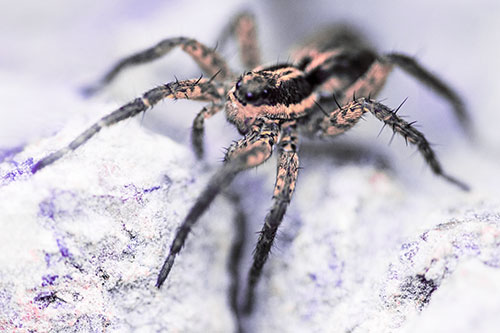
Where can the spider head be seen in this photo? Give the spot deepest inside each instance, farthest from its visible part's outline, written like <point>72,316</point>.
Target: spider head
<point>276,92</point>
<point>249,99</point>
<point>255,88</point>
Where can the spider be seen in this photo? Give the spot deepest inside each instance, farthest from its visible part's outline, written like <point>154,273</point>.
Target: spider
<point>323,92</point>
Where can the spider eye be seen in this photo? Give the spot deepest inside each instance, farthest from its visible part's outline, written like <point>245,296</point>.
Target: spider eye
<point>238,84</point>
<point>250,96</point>
<point>265,92</point>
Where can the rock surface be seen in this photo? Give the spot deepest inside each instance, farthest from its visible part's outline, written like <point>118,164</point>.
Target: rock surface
<point>84,239</point>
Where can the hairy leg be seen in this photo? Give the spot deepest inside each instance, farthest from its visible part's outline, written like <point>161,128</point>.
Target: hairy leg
<point>208,59</point>
<point>198,129</point>
<point>244,28</point>
<point>412,67</point>
<point>288,167</point>
<point>237,247</point>
<point>340,120</point>
<point>409,133</point>
<point>253,150</point>
<point>200,89</point>
<point>325,123</point>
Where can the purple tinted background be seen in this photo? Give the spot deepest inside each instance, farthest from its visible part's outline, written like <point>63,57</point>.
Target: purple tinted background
<point>55,47</point>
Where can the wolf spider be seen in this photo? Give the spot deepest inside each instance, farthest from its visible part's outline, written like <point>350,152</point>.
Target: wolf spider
<point>269,105</point>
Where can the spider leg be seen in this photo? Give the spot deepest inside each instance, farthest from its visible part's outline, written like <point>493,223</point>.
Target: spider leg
<point>339,120</point>
<point>244,28</point>
<point>200,89</point>
<point>198,128</point>
<point>211,62</point>
<point>288,166</point>
<point>411,135</point>
<point>237,247</point>
<point>368,84</point>
<point>253,150</point>
<point>412,67</point>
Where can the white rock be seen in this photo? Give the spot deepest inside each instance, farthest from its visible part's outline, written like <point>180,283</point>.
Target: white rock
<point>84,238</point>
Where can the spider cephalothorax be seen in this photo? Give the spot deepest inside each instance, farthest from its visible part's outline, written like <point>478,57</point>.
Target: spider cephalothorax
<point>323,92</point>
<point>277,92</point>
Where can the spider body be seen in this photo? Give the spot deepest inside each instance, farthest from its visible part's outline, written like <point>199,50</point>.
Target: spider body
<point>269,105</point>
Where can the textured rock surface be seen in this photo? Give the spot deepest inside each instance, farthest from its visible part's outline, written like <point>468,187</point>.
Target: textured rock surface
<point>83,240</point>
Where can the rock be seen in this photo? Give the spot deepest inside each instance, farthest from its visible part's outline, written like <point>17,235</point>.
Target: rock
<point>83,239</point>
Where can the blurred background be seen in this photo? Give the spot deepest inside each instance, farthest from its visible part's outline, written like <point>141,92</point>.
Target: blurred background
<point>51,49</point>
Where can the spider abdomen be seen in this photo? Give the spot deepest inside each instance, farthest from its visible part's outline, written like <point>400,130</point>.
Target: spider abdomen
<point>337,69</point>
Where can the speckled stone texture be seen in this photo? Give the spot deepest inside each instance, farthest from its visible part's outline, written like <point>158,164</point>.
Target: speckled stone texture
<point>82,241</point>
